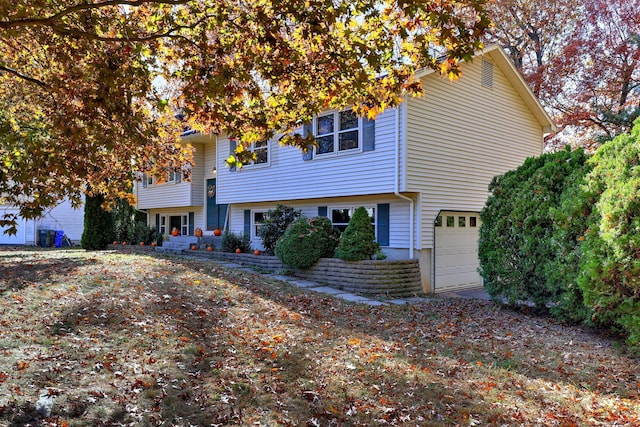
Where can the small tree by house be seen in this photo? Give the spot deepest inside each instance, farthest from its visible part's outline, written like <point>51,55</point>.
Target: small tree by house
<point>358,242</point>
<point>98,224</point>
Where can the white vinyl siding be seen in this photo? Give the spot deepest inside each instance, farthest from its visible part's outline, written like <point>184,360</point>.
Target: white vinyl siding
<point>61,217</point>
<point>197,175</point>
<point>462,134</point>
<point>184,193</point>
<point>20,238</point>
<point>290,177</point>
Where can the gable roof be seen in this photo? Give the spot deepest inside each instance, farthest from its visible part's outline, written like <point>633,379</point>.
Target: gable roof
<point>499,57</point>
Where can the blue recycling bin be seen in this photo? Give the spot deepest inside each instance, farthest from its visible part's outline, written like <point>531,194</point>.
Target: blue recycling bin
<point>57,240</point>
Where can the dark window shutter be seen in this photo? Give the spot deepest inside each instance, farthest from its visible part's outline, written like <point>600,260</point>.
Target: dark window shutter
<point>157,223</point>
<point>247,222</point>
<point>192,219</point>
<point>322,211</point>
<point>382,224</point>
<point>368,134</point>
<point>306,131</point>
<point>232,148</point>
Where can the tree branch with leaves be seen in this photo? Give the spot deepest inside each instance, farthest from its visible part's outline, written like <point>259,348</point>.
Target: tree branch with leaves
<point>102,82</point>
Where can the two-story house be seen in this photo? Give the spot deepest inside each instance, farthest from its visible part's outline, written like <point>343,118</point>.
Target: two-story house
<point>422,171</point>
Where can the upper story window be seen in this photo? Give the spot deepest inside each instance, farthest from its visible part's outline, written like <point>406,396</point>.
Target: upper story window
<point>147,180</point>
<point>337,132</point>
<point>260,149</point>
<point>340,132</point>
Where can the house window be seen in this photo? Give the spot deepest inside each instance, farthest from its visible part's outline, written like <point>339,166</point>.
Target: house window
<point>340,216</point>
<point>451,221</point>
<point>337,132</point>
<point>184,230</point>
<point>171,176</point>
<point>163,225</point>
<point>261,151</point>
<point>148,179</point>
<point>439,221</point>
<point>472,221</point>
<point>462,221</point>
<point>257,218</point>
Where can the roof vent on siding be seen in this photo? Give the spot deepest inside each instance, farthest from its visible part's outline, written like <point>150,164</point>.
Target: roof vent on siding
<point>487,74</point>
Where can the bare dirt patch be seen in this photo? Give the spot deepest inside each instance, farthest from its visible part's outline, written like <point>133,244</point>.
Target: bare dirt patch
<point>122,339</point>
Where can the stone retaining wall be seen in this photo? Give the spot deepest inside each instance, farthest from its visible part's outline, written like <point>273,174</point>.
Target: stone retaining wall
<point>390,278</point>
<point>380,277</point>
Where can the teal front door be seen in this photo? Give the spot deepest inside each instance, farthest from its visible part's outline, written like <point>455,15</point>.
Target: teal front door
<point>216,213</point>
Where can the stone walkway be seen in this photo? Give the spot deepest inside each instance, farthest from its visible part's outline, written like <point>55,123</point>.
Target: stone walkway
<point>347,296</point>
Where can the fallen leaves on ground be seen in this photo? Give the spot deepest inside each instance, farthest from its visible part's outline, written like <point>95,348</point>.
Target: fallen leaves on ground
<point>143,340</point>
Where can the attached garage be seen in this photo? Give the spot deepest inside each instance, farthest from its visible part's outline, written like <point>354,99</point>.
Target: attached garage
<point>20,238</point>
<point>456,251</point>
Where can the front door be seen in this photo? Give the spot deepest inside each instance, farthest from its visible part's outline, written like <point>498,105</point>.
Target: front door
<point>216,213</point>
<point>175,222</point>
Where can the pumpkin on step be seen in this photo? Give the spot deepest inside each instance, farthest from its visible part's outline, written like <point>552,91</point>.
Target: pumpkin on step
<point>198,232</point>
<point>175,232</point>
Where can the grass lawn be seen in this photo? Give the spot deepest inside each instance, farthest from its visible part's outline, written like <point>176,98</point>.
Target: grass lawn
<point>123,339</point>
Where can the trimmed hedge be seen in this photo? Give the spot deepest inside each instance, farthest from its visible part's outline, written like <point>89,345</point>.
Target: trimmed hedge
<point>358,241</point>
<point>610,259</point>
<point>519,249</point>
<point>563,231</point>
<point>306,241</point>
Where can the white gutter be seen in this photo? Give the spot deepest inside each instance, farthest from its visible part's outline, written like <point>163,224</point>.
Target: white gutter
<point>397,184</point>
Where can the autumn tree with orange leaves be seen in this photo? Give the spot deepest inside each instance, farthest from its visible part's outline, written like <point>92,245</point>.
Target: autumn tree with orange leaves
<point>580,57</point>
<point>90,91</point>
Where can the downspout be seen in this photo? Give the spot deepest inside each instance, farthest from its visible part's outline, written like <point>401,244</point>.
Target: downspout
<point>397,184</point>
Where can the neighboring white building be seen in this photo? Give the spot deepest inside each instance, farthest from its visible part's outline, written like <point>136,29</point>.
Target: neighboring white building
<point>62,217</point>
<point>422,170</point>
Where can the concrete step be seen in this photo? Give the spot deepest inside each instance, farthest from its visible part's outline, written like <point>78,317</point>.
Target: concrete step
<point>183,239</point>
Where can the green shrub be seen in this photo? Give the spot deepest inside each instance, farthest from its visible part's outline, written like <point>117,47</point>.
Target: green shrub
<point>358,242</point>
<point>610,260</point>
<point>306,241</point>
<point>98,225</point>
<point>143,233</point>
<point>274,226</point>
<point>520,250</point>
<point>232,241</point>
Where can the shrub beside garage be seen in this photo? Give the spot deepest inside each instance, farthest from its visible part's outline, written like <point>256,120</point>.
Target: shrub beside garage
<point>563,232</point>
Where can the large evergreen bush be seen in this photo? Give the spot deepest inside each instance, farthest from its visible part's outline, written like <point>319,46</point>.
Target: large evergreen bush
<point>610,260</point>
<point>519,249</point>
<point>274,226</point>
<point>98,224</point>
<point>358,241</point>
<point>306,241</point>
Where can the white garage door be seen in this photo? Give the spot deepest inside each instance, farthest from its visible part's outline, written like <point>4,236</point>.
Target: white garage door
<point>457,251</point>
<point>20,238</point>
